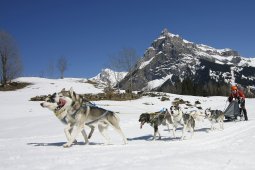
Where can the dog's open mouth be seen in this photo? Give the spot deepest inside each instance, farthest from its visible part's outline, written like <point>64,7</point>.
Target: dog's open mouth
<point>61,103</point>
<point>141,125</point>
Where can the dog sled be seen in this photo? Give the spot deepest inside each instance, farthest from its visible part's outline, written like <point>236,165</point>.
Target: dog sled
<point>233,111</point>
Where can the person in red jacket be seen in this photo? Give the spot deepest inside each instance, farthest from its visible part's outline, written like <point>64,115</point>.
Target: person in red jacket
<point>238,95</point>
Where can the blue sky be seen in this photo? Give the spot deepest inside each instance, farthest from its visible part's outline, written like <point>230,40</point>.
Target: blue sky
<point>88,32</point>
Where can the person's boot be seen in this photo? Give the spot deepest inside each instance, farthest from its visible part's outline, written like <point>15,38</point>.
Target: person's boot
<point>245,114</point>
<point>239,114</point>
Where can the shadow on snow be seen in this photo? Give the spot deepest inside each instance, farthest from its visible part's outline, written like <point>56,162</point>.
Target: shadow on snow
<point>60,144</point>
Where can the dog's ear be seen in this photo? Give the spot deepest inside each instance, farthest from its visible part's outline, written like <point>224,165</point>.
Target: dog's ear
<point>71,92</point>
<point>53,95</point>
<point>63,90</point>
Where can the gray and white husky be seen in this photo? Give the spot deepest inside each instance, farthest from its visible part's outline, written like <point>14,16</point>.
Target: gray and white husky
<point>60,111</point>
<point>76,112</point>
<point>215,116</point>
<point>186,120</point>
<point>156,119</point>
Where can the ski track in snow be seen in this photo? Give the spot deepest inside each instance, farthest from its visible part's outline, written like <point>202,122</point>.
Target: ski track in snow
<point>31,137</point>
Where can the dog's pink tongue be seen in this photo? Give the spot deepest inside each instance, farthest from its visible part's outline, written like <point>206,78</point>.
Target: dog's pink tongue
<point>62,102</point>
<point>141,125</point>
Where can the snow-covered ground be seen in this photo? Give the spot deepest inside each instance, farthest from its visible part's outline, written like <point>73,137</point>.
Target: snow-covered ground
<point>31,137</point>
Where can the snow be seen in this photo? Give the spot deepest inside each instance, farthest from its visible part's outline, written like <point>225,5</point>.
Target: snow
<point>31,137</point>
<point>252,61</point>
<point>47,86</point>
<point>145,63</point>
<point>160,38</point>
<point>247,62</point>
<point>206,48</point>
<point>108,76</point>
<point>157,82</point>
<point>187,42</point>
<point>219,62</point>
<point>167,34</point>
<point>222,59</point>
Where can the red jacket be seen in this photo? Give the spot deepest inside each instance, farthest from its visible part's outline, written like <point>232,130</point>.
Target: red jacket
<point>238,95</point>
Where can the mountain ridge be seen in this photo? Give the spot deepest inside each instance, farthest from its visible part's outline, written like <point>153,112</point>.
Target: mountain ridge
<point>172,59</point>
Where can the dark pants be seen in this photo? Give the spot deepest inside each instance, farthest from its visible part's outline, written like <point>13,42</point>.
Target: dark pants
<point>242,104</point>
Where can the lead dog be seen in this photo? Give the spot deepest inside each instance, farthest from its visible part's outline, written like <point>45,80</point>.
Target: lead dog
<point>60,112</point>
<point>215,116</point>
<point>156,119</point>
<point>82,112</point>
<point>186,120</point>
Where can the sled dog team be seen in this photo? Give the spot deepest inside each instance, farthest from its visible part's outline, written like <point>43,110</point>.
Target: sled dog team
<point>75,112</point>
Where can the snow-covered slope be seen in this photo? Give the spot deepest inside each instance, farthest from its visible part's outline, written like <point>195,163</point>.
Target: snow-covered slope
<point>108,76</point>
<point>31,137</point>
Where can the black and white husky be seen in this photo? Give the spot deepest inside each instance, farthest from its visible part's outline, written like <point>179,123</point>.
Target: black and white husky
<point>215,116</point>
<point>156,119</point>
<point>76,112</point>
<point>186,120</point>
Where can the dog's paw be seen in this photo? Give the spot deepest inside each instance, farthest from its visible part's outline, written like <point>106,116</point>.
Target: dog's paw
<point>86,143</point>
<point>67,145</point>
<point>182,138</point>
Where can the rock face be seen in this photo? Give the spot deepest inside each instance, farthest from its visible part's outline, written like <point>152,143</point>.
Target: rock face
<point>172,59</point>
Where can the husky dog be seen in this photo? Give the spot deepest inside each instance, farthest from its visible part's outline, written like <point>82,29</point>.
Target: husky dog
<point>155,119</point>
<point>81,112</point>
<point>186,120</point>
<point>60,112</point>
<point>215,116</point>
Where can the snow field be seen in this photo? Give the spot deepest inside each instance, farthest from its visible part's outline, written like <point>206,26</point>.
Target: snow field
<point>31,137</point>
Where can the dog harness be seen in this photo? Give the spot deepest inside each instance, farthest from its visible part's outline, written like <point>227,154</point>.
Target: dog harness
<point>157,114</point>
<point>85,106</point>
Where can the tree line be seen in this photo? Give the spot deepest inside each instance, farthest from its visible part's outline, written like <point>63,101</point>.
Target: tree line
<point>210,88</point>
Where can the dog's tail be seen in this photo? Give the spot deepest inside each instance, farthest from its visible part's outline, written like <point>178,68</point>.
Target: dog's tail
<point>193,114</point>
<point>197,114</point>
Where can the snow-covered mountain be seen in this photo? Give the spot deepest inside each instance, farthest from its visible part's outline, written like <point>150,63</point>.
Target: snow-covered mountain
<point>108,77</point>
<point>171,59</point>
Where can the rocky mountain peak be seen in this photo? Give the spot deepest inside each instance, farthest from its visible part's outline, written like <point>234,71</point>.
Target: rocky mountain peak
<point>166,33</point>
<point>171,59</point>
